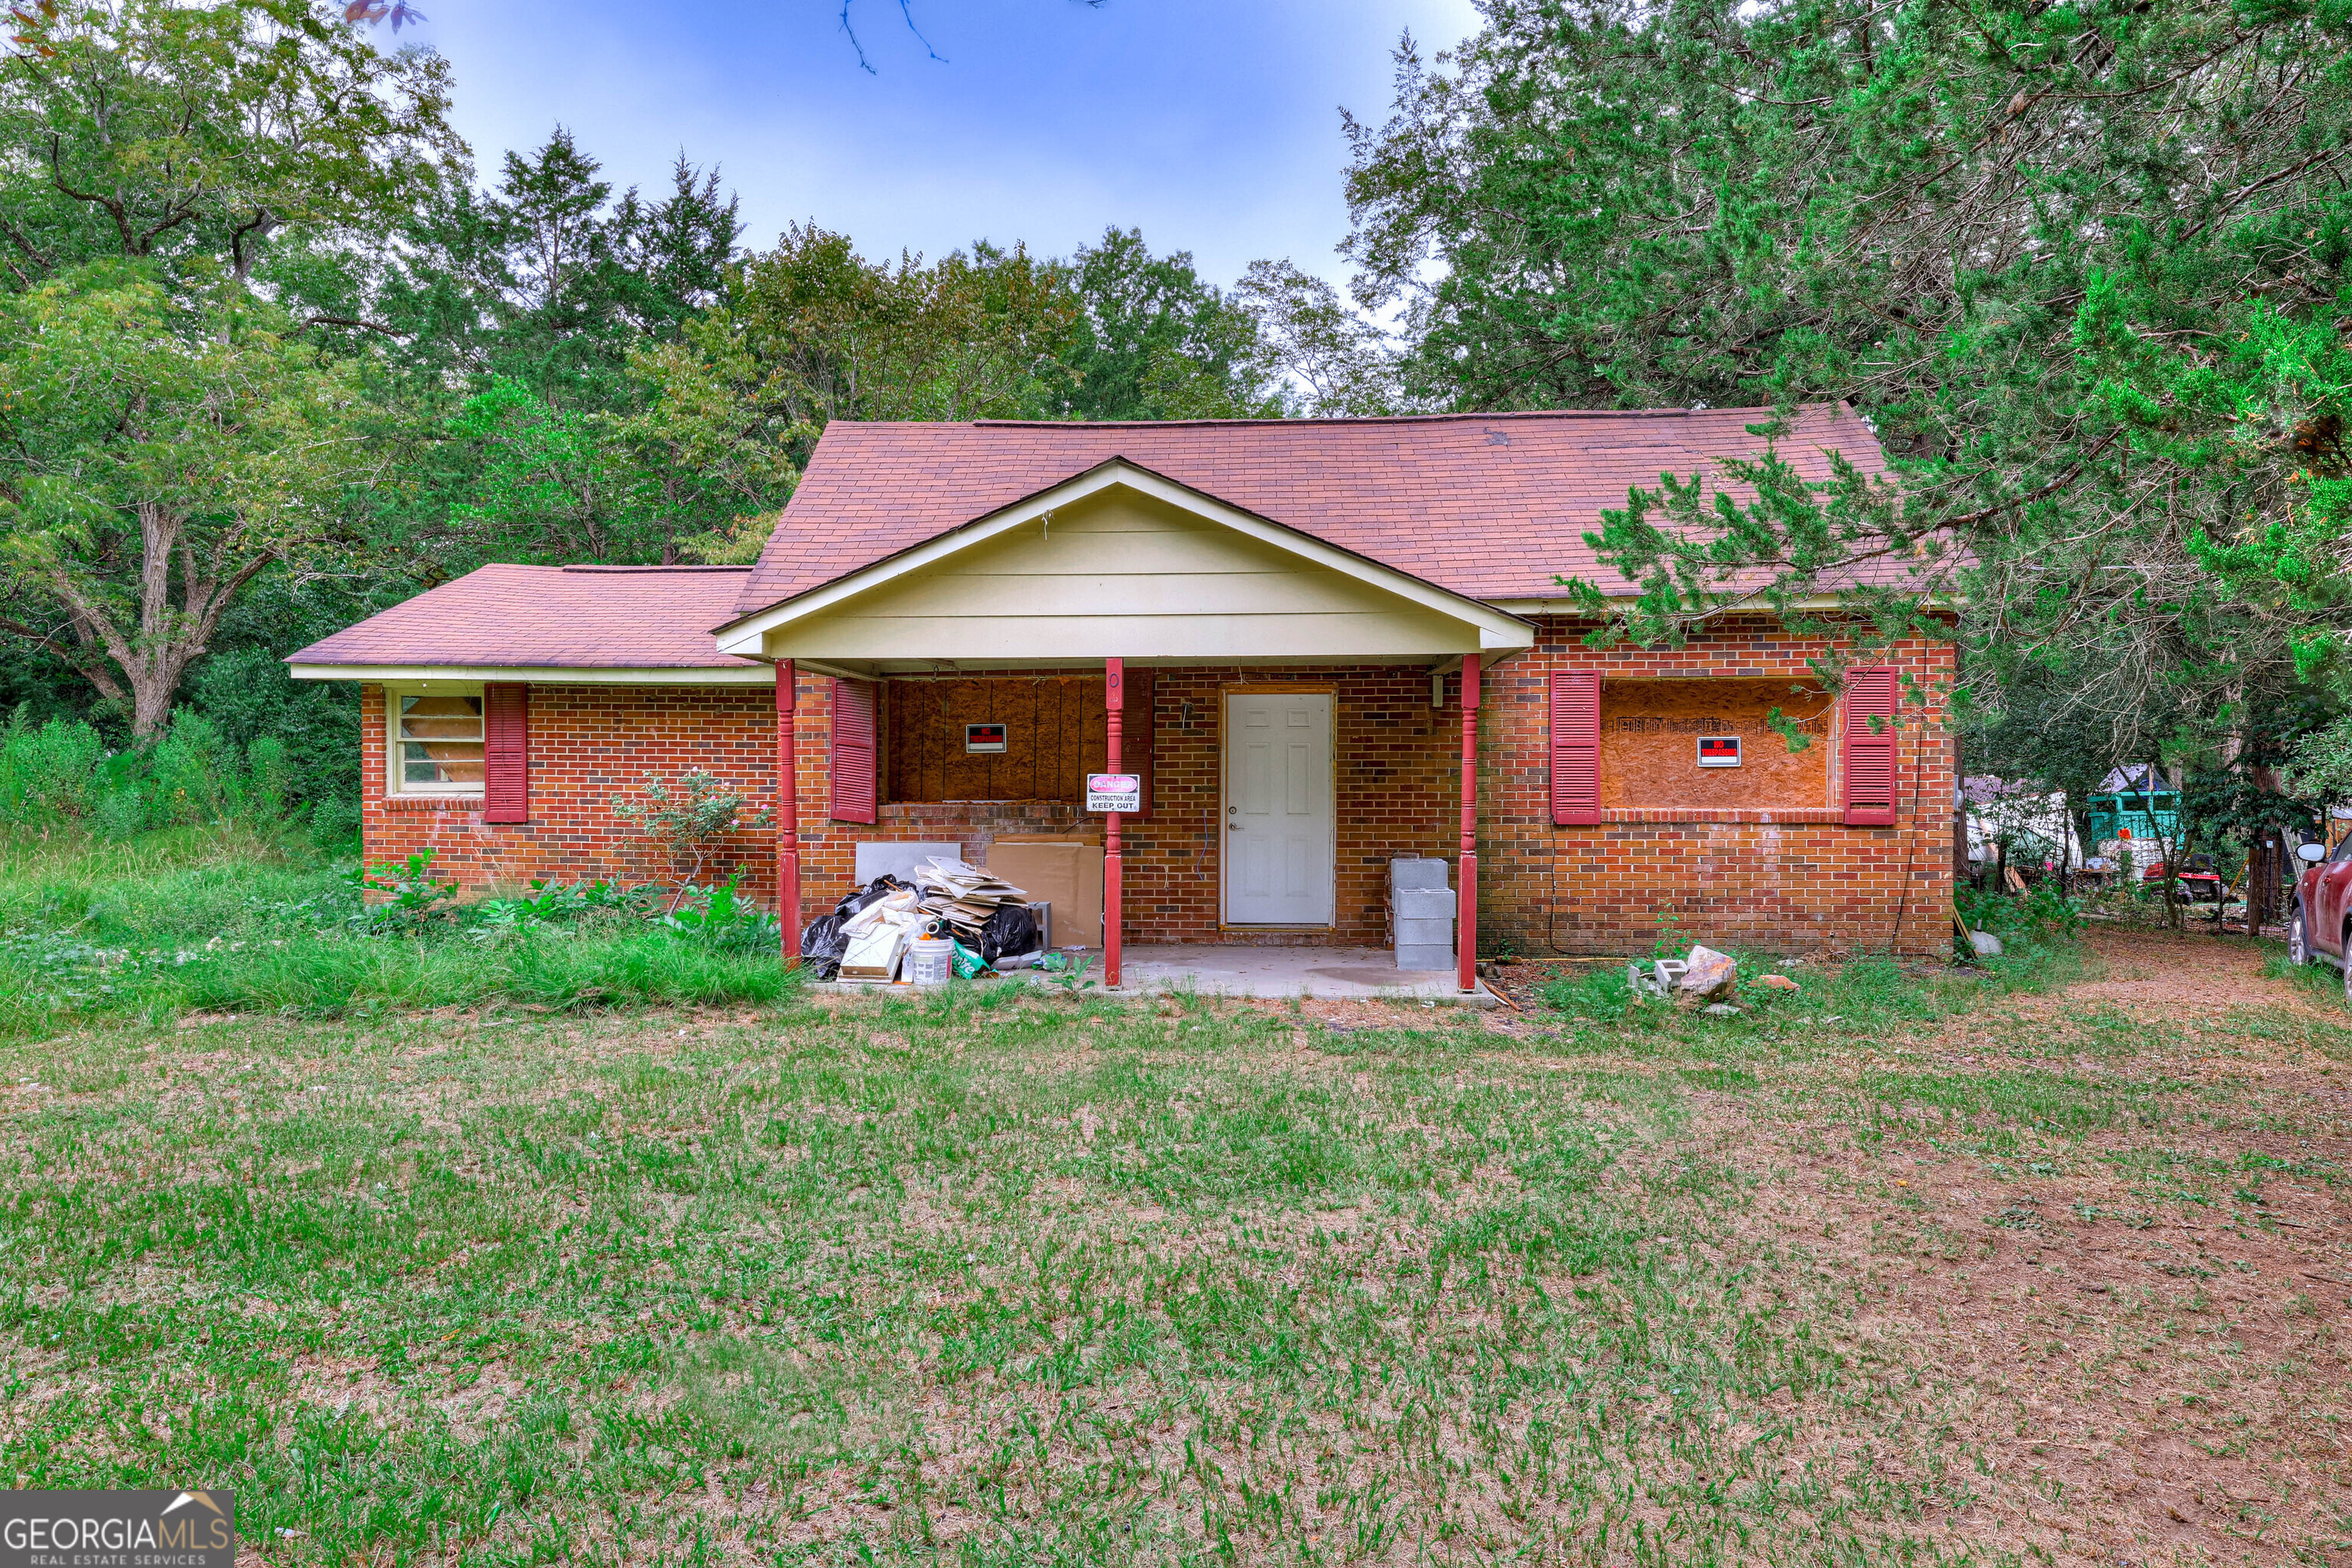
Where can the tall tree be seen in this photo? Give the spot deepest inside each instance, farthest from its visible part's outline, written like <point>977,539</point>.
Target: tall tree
<point>2081,266</point>
<point>1338,363</point>
<point>698,465</point>
<point>164,433</point>
<point>976,334</point>
<point>524,311</point>
<point>158,460</point>
<point>205,140</point>
<point>1152,340</point>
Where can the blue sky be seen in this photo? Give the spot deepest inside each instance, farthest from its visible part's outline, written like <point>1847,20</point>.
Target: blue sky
<point>1211,124</point>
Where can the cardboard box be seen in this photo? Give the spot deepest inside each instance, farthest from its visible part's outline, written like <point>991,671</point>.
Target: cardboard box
<point>1067,873</point>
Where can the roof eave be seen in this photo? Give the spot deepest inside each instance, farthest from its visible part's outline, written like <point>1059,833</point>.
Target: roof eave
<point>745,674</point>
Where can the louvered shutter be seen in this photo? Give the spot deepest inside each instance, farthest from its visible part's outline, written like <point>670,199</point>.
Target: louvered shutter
<point>1576,748</point>
<point>1138,724</point>
<point>506,753</point>
<point>1866,725</point>
<point>854,791</point>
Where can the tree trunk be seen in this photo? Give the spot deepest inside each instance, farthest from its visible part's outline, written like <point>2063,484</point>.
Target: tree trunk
<point>2168,848</point>
<point>152,692</point>
<point>142,669</point>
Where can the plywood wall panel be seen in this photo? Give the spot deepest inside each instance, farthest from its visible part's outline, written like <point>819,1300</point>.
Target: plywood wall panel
<point>1649,744</point>
<point>1055,736</point>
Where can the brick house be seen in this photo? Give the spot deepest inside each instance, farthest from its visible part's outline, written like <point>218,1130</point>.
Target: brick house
<point>1318,644</point>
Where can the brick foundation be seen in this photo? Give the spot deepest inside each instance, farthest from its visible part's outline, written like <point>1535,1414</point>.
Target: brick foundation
<point>1784,880</point>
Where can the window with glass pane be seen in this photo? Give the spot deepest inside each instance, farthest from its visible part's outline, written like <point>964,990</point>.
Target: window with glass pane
<point>440,743</point>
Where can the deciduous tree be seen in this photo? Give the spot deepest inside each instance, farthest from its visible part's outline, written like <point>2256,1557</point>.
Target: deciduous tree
<point>171,177</point>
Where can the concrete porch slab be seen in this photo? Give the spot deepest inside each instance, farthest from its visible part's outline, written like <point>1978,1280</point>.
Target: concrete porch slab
<point>1328,973</point>
<point>1324,973</point>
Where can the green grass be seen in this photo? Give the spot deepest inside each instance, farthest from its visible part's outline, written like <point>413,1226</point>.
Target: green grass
<point>1006,1276</point>
<point>1836,1005</point>
<point>504,1293</point>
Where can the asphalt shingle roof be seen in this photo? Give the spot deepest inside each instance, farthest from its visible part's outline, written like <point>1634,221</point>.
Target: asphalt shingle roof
<point>1488,506</point>
<point>585,617</point>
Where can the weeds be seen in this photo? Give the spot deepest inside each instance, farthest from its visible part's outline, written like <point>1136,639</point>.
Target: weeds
<point>60,778</point>
<point>240,924</point>
<point>1863,994</point>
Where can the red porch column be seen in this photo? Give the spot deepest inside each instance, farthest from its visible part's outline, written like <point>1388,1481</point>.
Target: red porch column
<point>788,810</point>
<point>1114,703</point>
<point>1467,932</point>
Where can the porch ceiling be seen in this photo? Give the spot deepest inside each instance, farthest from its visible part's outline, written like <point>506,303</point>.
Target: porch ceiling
<point>1120,562</point>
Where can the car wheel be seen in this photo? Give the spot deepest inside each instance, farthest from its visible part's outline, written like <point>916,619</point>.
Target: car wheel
<point>2298,939</point>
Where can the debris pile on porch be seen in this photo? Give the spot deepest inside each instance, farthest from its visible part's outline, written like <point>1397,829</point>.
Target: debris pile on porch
<point>964,896</point>
<point>872,931</point>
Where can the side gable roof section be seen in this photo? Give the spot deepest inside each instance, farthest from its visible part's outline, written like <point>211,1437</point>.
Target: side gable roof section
<point>1487,507</point>
<point>1497,630</point>
<point>629,625</point>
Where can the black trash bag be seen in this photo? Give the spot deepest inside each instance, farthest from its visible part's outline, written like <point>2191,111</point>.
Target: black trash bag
<point>822,945</point>
<point>1011,929</point>
<point>874,892</point>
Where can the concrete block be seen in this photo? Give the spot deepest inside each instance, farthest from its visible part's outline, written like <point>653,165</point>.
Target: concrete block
<point>1414,872</point>
<point>1425,957</point>
<point>1422,903</point>
<point>899,861</point>
<point>1416,933</point>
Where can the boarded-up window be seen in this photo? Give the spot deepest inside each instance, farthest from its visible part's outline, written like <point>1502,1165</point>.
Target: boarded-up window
<point>854,780</point>
<point>1055,734</point>
<point>1655,749</point>
<point>506,778</point>
<point>1866,734</point>
<point>437,741</point>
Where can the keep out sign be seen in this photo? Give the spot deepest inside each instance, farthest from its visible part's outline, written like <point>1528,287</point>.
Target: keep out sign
<point>1114,792</point>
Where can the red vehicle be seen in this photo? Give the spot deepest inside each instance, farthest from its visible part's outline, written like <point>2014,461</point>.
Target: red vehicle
<point>2322,908</point>
<point>2198,883</point>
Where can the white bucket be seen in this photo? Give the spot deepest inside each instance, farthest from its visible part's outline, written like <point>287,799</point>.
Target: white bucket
<point>931,960</point>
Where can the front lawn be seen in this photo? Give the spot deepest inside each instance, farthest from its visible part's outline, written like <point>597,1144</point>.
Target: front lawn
<point>1981,1273</point>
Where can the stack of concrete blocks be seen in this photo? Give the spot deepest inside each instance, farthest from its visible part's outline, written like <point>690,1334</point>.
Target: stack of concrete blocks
<point>1421,914</point>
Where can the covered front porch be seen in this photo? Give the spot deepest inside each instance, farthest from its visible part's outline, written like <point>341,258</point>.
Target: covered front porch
<point>1294,717</point>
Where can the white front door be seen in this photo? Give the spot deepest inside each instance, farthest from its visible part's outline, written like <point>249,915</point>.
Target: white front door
<point>1280,819</point>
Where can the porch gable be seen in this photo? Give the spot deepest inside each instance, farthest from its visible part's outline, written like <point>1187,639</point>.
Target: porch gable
<point>1120,562</point>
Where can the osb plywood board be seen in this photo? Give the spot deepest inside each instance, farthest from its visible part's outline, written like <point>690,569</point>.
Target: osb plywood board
<point>1055,736</point>
<point>1649,744</point>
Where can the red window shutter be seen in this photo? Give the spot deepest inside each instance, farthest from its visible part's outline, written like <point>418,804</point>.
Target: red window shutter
<point>1138,724</point>
<point>1866,725</point>
<point>506,753</point>
<point>854,791</point>
<point>1576,748</point>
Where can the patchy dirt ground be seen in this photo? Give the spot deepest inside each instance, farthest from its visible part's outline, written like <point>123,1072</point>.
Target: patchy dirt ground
<point>2137,1323</point>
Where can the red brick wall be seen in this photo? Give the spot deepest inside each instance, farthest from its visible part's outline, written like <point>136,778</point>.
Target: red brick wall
<point>1799,881</point>
<point>588,744</point>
